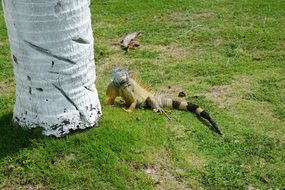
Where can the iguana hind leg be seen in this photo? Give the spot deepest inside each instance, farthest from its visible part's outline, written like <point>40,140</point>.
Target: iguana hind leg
<point>152,102</point>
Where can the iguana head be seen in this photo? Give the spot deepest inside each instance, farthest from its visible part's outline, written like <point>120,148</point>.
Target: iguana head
<point>120,75</point>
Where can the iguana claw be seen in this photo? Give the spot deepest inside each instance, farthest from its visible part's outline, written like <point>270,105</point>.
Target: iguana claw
<point>161,111</point>
<point>156,110</point>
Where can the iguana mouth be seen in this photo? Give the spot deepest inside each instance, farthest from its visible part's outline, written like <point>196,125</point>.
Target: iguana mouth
<point>122,83</point>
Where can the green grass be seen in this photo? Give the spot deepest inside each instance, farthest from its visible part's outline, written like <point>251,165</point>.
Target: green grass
<point>231,54</point>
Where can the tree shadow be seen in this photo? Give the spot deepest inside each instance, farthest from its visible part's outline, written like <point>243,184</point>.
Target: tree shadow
<point>13,138</point>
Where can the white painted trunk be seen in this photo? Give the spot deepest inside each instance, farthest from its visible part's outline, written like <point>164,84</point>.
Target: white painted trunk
<point>52,50</point>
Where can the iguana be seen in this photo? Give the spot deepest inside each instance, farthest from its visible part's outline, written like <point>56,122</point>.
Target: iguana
<point>135,95</point>
<point>129,41</point>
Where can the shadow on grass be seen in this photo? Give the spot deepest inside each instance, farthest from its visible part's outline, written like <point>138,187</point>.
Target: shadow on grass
<point>14,138</point>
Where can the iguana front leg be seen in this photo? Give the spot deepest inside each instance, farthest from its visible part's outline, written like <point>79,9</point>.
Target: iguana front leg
<point>111,101</point>
<point>132,107</point>
<point>112,93</point>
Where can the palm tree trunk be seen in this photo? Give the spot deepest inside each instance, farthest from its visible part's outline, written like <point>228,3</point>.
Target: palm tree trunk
<point>52,50</point>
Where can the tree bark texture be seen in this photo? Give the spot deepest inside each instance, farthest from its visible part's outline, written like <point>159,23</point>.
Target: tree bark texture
<point>52,51</point>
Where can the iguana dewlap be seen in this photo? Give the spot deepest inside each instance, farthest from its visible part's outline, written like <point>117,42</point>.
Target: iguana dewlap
<point>135,95</point>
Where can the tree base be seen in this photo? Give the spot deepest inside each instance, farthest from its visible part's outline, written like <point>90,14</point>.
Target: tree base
<point>59,129</point>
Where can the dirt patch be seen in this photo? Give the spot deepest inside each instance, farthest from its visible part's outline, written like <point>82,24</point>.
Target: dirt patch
<point>219,95</point>
<point>117,57</point>
<point>172,51</point>
<point>172,92</point>
<point>69,157</point>
<point>35,187</point>
<point>7,86</point>
<point>103,25</point>
<point>219,40</point>
<point>25,186</point>
<point>250,187</point>
<point>227,95</point>
<point>218,92</point>
<point>204,15</point>
<point>232,97</point>
<point>164,179</point>
<point>179,131</point>
<point>179,17</point>
<point>176,52</point>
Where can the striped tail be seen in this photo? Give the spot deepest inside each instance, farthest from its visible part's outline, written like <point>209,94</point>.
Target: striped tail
<point>194,109</point>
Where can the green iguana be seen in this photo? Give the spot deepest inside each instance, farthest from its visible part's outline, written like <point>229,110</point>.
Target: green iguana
<point>135,95</point>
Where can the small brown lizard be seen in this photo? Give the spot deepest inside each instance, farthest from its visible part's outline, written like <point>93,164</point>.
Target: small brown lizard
<point>129,41</point>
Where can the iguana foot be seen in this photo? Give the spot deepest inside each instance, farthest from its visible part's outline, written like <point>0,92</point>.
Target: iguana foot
<point>127,110</point>
<point>161,111</point>
<point>110,102</point>
<point>158,110</point>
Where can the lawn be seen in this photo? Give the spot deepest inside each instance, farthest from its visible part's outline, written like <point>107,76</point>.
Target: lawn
<point>229,56</point>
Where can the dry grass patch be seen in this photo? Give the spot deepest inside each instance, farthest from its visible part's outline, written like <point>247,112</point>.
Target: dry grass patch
<point>164,177</point>
<point>172,51</point>
<point>99,25</point>
<point>24,186</point>
<point>176,52</point>
<point>258,113</point>
<point>158,55</point>
<point>227,95</point>
<point>179,17</point>
<point>172,92</point>
<point>116,59</point>
<point>7,87</point>
<point>162,173</point>
<point>219,40</point>
<point>204,15</point>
